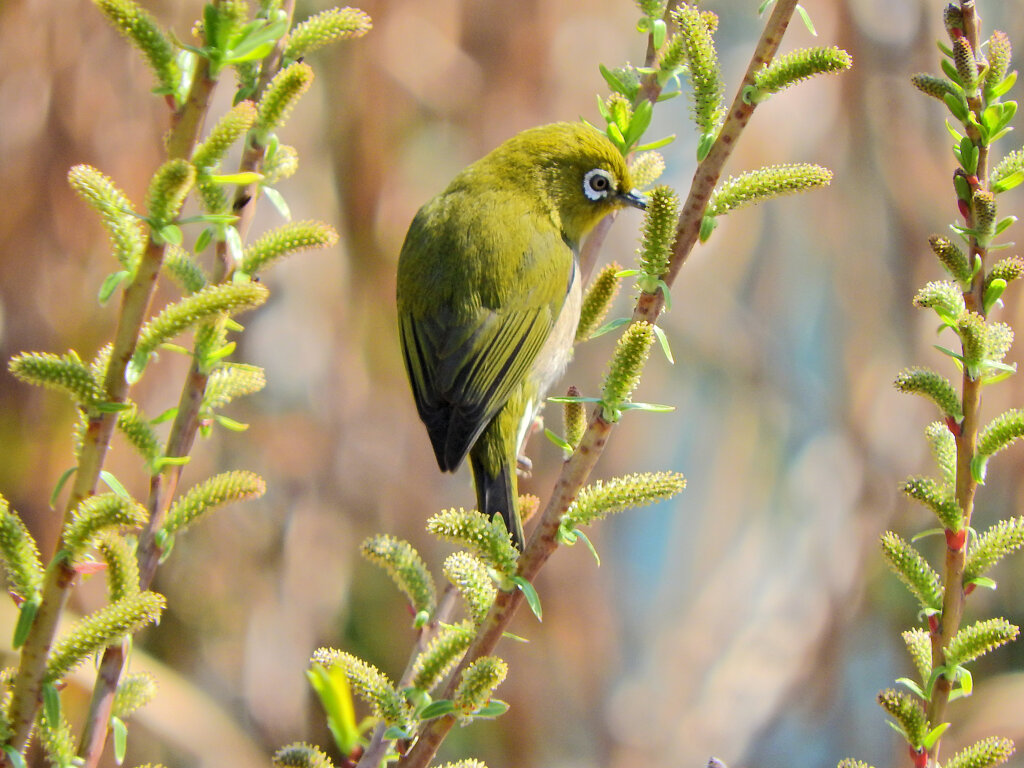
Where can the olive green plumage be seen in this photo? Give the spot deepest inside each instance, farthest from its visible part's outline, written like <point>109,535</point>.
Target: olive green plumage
<point>489,295</point>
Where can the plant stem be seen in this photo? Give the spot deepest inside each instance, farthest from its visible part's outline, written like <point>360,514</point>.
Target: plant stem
<point>60,576</point>
<point>954,597</point>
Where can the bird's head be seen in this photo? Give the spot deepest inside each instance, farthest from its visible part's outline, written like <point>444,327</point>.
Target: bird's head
<point>577,171</point>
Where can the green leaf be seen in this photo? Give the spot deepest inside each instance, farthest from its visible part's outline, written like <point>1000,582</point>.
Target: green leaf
<point>234,243</point>
<point>663,341</point>
<point>280,204</point>
<point>120,733</point>
<point>912,685</point>
<point>993,291</point>
<point>26,615</point>
<point>590,545</point>
<point>13,756</point>
<point>169,233</point>
<point>240,178</point>
<point>65,476</point>
<point>614,83</point>
<point>114,484</point>
<point>1004,86</point>
<point>805,17</point>
<point>934,735</point>
<point>204,239</point>
<point>660,142</point>
<point>653,407</point>
<point>704,145</point>
<point>982,581</point>
<point>231,424</point>
<point>51,703</point>
<point>530,593</point>
<point>493,708</point>
<point>558,441</point>
<point>394,733</point>
<point>110,284</point>
<point>1004,224</point>
<point>610,326</point>
<point>335,694</point>
<point>438,708</point>
<point>707,226</point>
<point>1008,182</point>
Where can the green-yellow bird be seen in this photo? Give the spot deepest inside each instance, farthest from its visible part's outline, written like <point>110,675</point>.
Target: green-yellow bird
<point>489,295</point>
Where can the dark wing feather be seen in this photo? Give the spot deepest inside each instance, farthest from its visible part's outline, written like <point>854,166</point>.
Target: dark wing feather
<point>462,374</point>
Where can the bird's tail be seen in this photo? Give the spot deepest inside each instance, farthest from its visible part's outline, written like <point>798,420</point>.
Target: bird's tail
<point>498,495</point>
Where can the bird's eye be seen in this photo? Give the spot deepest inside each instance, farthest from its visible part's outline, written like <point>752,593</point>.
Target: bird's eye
<point>597,184</point>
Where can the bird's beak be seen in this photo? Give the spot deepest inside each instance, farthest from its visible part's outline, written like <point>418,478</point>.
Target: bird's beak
<point>635,199</point>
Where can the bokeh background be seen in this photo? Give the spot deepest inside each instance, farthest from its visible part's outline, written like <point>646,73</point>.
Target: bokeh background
<point>752,617</point>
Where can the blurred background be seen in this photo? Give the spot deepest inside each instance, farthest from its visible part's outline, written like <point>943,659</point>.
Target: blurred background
<point>751,618</point>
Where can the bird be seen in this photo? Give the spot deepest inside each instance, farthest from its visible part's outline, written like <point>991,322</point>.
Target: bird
<point>489,296</point>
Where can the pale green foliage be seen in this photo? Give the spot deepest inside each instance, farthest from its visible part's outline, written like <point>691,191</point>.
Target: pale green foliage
<point>102,628</point>
<point>943,448</point>
<point>999,54</point>
<point>137,430</point>
<point>122,565</point>
<point>220,489</point>
<point>906,710</point>
<point>301,755</point>
<point>230,381</point>
<point>1001,432</point>
<point>63,373</point>
<point>756,186</point>
<point>168,189</point>
<point>625,368</point>
<point>657,237</point>
<point>602,498</point>
<point>574,416</point>
<point>20,554</point>
<point>703,69</point>
<point>280,165</point>
<point>986,753</point>
<point>597,300</point>
<point>208,304</point>
<point>405,567</point>
<point>56,738</point>
<point>790,68</point>
<point>913,570</point>
<point>1008,270</point>
<point>646,168</point>
<point>208,154</point>
<point>938,497</point>
<point>944,297</point>
<point>474,583</point>
<point>441,655</point>
<point>934,386</point>
<point>973,333</point>
<point>978,639</point>
<point>934,86</point>
<point>988,548</point>
<point>127,236</point>
<point>369,683</point>
<point>280,97</point>
<point>966,65</point>
<point>96,514</point>
<point>229,128</point>
<point>920,647</point>
<point>478,682</point>
<point>133,692</point>
<point>1009,165</point>
<point>324,28</point>
<point>142,30</point>
<point>284,241</point>
<point>953,259</point>
<point>488,539</point>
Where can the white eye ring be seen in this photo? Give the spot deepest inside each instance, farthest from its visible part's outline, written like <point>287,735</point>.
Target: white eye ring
<point>598,184</point>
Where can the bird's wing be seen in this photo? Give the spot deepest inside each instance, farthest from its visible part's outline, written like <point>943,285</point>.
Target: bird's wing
<point>463,374</point>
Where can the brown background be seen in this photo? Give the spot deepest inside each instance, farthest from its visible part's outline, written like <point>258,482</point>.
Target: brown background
<point>751,618</point>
